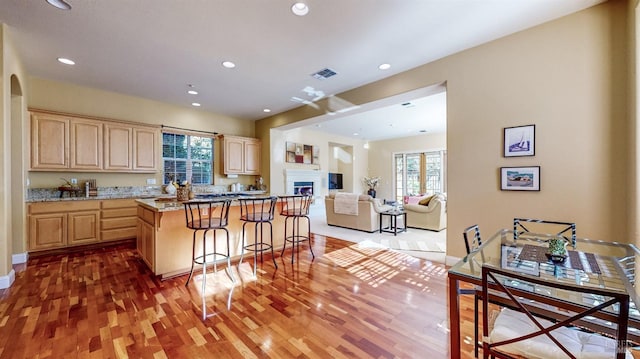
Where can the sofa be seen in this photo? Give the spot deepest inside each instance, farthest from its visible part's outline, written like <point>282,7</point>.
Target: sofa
<point>367,217</point>
<point>430,213</point>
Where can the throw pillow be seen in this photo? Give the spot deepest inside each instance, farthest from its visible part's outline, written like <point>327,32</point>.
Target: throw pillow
<point>425,201</point>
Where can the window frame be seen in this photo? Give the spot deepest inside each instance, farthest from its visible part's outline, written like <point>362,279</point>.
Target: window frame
<point>189,160</point>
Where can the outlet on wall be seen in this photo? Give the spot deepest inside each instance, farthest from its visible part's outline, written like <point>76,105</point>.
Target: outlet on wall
<point>74,181</point>
<point>151,181</point>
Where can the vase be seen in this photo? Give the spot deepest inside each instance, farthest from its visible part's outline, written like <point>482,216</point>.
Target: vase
<point>170,188</point>
<point>372,192</point>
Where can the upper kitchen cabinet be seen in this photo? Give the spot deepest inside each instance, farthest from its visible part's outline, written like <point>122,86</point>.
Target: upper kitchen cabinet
<point>131,148</point>
<point>146,149</point>
<point>73,143</point>
<point>241,155</point>
<point>118,147</point>
<point>85,144</point>
<point>49,142</point>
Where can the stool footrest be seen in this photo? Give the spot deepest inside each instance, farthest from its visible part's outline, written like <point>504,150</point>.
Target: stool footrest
<point>199,259</point>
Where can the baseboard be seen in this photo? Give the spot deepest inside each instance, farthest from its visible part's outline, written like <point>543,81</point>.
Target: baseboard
<point>450,260</point>
<point>19,258</point>
<point>7,280</point>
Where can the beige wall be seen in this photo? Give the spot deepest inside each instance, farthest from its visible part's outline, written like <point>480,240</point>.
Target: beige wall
<point>383,152</point>
<point>12,171</point>
<point>568,77</point>
<point>68,98</point>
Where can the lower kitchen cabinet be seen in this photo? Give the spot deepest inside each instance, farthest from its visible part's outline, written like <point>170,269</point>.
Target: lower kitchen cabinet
<point>118,219</point>
<point>146,239</point>
<point>61,224</point>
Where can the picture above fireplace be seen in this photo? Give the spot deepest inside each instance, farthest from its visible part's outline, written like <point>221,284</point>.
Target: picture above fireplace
<point>299,153</point>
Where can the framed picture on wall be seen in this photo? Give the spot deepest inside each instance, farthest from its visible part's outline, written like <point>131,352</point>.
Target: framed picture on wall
<point>520,141</point>
<point>520,178</point>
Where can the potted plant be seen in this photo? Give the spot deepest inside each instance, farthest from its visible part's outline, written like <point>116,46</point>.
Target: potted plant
<point>372,183</point>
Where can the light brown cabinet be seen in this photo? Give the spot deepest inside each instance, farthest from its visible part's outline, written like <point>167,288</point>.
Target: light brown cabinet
<point>49,142</point>
<point>85,144</point>
<point>118,144</point>
<point>241,155</point>
<point>72,143</point>
<point>146,236</point>
<point>118,219</point>
<point>61,224</point>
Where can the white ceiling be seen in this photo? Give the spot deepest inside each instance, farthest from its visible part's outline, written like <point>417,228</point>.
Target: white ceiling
<point>155,48</point>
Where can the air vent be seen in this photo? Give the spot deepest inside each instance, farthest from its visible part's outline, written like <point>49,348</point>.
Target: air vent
<point>324,74</point>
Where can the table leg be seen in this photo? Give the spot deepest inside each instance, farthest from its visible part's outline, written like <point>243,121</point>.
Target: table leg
<point>380,223</point>
<point>454,319</point>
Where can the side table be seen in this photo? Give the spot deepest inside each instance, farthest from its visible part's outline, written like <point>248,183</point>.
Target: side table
<point>393,221</point>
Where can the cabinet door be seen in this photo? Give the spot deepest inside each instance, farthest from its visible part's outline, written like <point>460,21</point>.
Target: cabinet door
<point>252,157</point>
<point>49,142</point>
<point>83,227</point>
<point>145,149</point>
<point>85,144</point>
<point>117,147</point>
<point>47,231</point>
<point>146,243</point>
<point>233,156</point>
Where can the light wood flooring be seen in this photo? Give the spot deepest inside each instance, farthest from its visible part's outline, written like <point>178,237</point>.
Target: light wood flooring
<point>350,302</point>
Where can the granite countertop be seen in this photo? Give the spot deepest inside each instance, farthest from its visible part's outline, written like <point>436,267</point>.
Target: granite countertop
<point>168,203</point>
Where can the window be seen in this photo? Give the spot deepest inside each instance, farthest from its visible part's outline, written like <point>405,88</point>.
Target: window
<point>419,173</point>
<point>187,157</point>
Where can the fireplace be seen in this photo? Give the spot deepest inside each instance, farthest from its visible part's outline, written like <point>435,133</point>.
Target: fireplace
<point>303,182</point>
<point>305,188</point>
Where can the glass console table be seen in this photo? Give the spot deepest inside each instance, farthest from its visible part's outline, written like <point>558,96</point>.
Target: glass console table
<point>598,264</point>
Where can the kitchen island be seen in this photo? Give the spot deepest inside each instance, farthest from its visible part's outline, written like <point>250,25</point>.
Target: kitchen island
<point>165,243</point>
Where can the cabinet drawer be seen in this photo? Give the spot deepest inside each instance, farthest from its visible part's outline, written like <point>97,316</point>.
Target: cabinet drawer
<point>117,234</point>
<point>63,206</point>
<point>146,215</point>
<point>119,203</point>
<point>120,212</point>
<point>112,223</point>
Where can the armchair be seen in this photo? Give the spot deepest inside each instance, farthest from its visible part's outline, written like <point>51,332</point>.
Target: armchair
<point>432,216</point>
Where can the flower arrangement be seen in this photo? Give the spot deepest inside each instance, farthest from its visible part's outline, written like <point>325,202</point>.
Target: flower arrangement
<point>371,182</point>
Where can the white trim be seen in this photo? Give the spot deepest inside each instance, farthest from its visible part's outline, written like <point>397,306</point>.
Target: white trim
<point>7,280</point>
<point>450,260</point>
<point>20,258</point>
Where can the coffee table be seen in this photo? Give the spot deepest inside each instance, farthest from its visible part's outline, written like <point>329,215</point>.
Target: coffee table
<point>393,215</point>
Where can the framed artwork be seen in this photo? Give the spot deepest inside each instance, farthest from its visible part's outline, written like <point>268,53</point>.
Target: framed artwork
<point>300,153</point>
<point>520,141</point>
<point>520,178</point>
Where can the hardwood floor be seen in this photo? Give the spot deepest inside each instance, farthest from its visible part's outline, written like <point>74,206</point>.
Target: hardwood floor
<point>350,302</point>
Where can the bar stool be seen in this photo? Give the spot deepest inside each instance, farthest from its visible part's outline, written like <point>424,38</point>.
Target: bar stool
<point>294,208</point>
<point>205,216</point>
<point>258,211</point>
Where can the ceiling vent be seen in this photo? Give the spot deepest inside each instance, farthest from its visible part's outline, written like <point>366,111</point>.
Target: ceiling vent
<point>324,74</point>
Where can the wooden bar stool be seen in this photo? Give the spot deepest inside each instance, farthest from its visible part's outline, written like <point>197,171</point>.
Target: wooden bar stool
<point>259,212</point>
<point>294,208</point>
<point>202,217</point>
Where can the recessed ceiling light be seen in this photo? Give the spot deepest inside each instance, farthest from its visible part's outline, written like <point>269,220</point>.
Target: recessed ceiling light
<point>266,110</point>
<point>195,104</point>
<point>60,4</point>
<point>66,61</point>
<point>384,67</point>
<point>228,64</point>
<point>192,92</point>
<point>300,9</point>
<point>356,134</point>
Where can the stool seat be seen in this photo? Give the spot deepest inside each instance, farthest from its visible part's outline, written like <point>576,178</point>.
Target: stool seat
<point>294,208</point>
<point>258,211</point>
